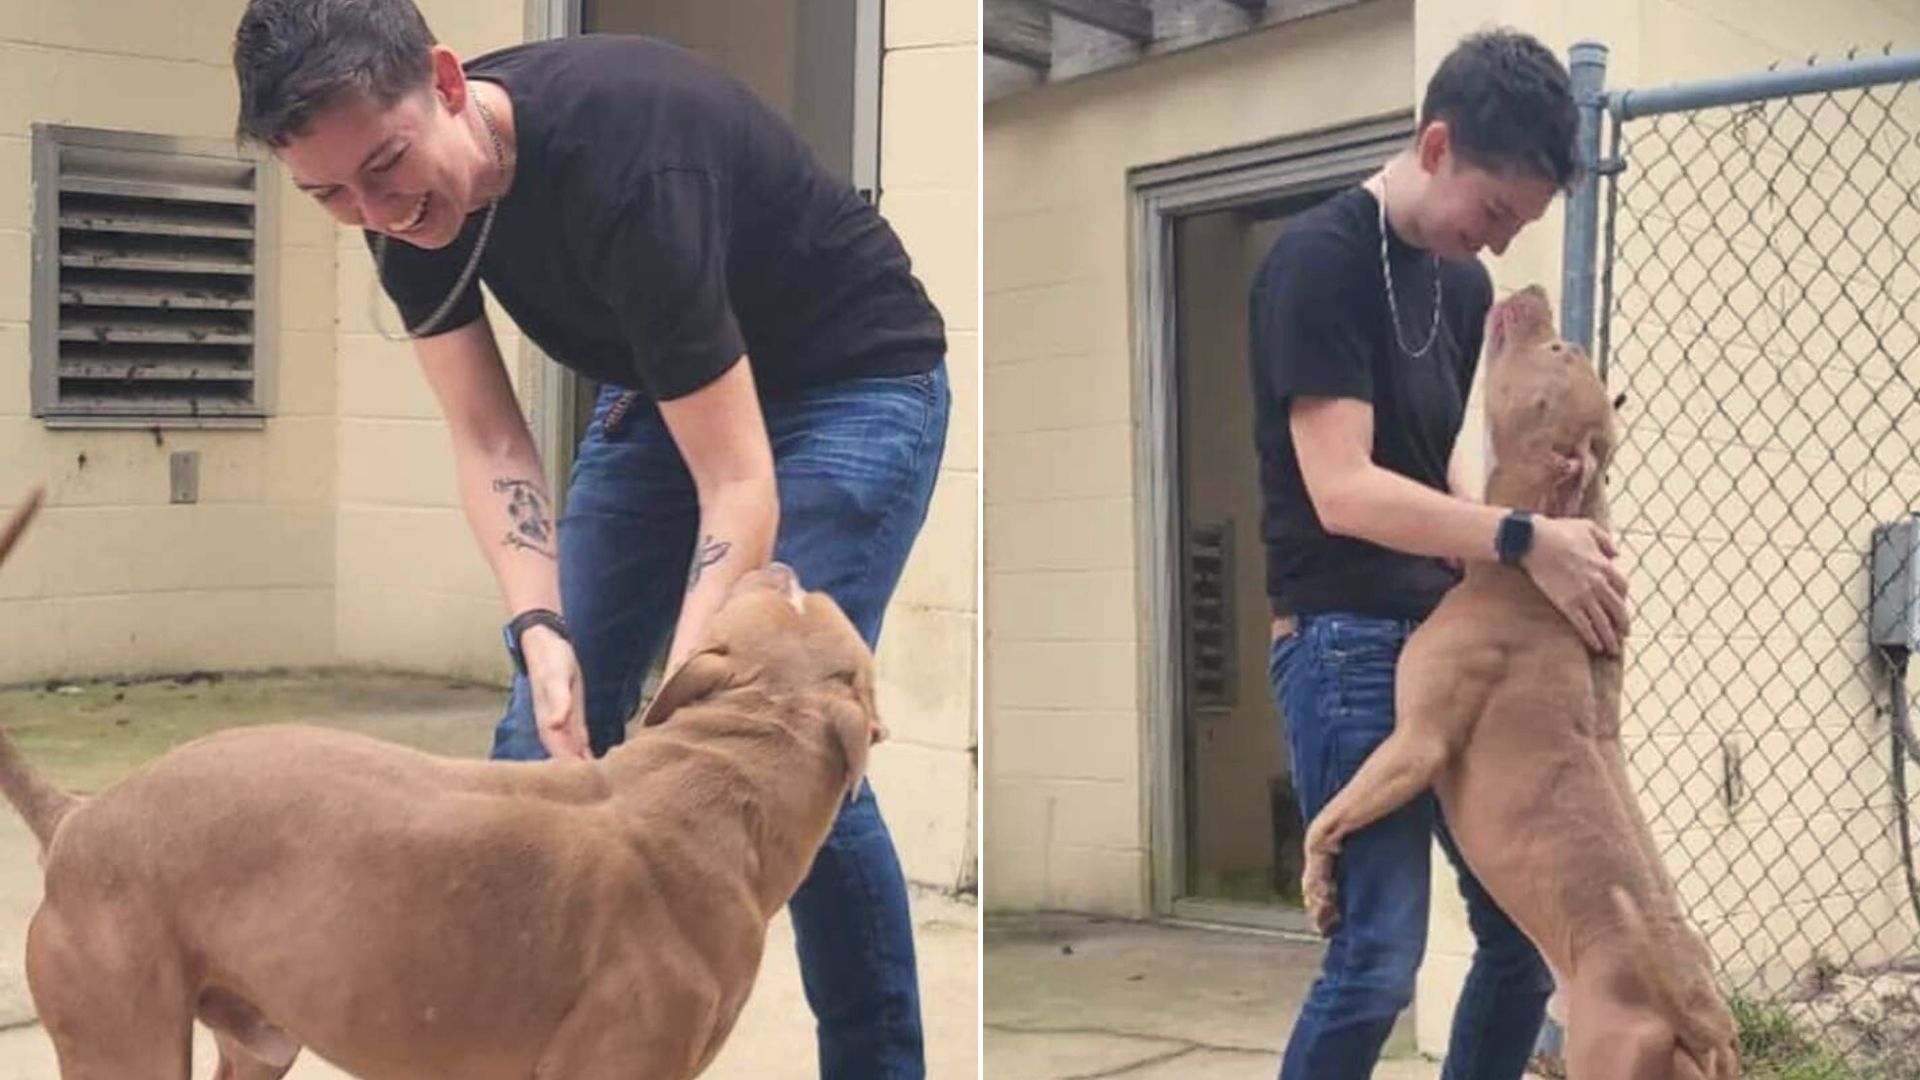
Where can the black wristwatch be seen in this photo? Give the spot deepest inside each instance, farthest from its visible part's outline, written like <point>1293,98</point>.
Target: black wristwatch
<point>1514,538</point>
<point>531,618</point>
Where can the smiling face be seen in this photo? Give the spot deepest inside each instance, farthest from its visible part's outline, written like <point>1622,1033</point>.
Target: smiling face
<point>1466,207</point>
<point>413,169</point>
<point>1497,128</point>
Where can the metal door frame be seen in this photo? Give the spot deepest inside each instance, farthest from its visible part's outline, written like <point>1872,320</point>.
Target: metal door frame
<point>1160,196</point>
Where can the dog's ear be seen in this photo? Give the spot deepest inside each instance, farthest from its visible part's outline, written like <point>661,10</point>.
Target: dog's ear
<point>857,728</point>
<point>703,675</point>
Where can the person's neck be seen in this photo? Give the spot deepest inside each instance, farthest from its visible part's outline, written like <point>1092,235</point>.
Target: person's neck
<point>1400,185</point>
<point>499,171</point>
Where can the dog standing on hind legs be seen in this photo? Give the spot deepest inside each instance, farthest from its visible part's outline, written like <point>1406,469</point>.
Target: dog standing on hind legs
<point>410,917</point>
<point>1504,714</point>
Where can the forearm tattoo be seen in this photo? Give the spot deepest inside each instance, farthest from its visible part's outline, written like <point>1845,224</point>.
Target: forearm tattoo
<point>532,520</point>
<point>710,551</point>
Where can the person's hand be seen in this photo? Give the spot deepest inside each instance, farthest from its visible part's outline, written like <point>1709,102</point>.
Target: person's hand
<point>1571,561</point>
<point>559,708</point>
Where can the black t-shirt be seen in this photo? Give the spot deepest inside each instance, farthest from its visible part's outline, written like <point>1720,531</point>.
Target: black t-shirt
<point>1320,327</point>
<point>663,221</point>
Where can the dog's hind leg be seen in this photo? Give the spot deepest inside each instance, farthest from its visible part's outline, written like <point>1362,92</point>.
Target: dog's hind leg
<point>251,1048</point>
<point>239,1063</point>
<point>114,1005</point>
<point>620,1031</point>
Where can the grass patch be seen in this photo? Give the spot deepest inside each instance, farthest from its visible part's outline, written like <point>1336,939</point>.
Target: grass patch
<point>1773,1047</point>
<point>85,736</point>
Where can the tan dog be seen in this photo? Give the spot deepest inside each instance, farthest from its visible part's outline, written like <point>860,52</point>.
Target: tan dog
<point>1516,727</point>
<point>414,917</point>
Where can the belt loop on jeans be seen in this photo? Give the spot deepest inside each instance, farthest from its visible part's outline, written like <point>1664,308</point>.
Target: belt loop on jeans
<point>617,412</point>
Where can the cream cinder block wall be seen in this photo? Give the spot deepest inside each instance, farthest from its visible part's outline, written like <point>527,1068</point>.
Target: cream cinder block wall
<point>414,591</point>
<point>927,775</point>
<point>1066,768</point>
<point>1789,816</point>
<point>113,579</point>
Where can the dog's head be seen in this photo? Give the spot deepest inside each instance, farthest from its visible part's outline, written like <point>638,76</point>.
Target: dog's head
<point>793,647</point>
<point>1546,406</point>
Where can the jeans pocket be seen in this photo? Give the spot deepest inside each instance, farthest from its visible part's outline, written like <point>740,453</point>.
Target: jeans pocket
<point>1361,640</point>
<point>1280,661</point>
<point>1362,655</point>
<point>873,435</point>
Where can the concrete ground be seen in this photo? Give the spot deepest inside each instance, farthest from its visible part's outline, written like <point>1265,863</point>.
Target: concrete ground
<point>1074,998</point>
<point>87,736</point>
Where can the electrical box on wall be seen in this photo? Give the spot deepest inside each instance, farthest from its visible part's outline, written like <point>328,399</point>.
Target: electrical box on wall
<point>183,474</point>
<point>1895,618</point>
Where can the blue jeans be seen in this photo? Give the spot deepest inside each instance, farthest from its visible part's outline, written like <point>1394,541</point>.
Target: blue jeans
<point>855,462</point>
<point>1333,680</point>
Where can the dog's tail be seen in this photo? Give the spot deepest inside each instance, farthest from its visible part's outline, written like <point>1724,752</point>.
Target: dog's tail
<point>38,801</point>
<point>1698,1033</point>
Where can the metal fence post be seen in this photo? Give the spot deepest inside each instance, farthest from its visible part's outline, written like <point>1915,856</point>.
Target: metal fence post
<point>1587,64</point>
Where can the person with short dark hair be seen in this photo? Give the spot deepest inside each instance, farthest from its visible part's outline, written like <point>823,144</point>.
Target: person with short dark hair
<point>1367,320</point>
<point>774,380</point>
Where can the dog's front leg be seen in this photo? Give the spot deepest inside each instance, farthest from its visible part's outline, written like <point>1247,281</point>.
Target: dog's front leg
<point>1437,698</point>
<point>1398,770</point>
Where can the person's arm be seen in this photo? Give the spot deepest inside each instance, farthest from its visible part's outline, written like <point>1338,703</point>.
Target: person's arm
<point>504,494</point>
<point>1571,559</point>
<point>723,438</point>
<point>665,266</point>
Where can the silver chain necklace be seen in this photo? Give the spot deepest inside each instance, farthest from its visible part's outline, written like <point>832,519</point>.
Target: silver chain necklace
<point>473,260</point>
<point>1393,305</point>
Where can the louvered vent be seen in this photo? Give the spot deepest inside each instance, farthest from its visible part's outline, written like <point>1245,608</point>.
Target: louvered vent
<point>1210,645</point>
<point>149,294</point>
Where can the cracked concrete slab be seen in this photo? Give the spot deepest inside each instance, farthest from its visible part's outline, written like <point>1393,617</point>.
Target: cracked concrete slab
<point>1075,998</point>
<point>1033,1055</point>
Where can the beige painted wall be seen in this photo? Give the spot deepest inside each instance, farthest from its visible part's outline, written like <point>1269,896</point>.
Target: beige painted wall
<point>927,777</point>
<point>1066,769</point>
<point>413,591</point>
<point>113,579</point>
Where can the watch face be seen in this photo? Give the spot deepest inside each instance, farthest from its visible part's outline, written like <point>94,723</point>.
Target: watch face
<point>1516,536</point>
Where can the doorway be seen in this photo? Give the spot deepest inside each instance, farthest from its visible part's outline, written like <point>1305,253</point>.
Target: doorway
<point>1226,829</point>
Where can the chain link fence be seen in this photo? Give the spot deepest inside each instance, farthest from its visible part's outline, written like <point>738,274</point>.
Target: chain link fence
<point>1759,305</point>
